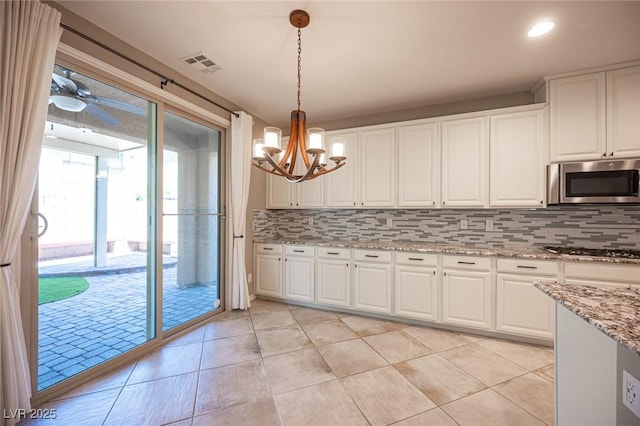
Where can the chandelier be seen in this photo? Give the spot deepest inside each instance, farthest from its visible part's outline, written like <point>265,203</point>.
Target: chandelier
<point>304,157</point>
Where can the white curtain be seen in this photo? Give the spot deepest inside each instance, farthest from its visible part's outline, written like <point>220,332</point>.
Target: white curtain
<point>241,130</point>
<point>30,32</point>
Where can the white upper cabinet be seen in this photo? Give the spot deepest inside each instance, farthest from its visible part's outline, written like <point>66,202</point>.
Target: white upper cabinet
<point>623,112</point>
<point>341,186</point>
<point>282,194</point>
<point>377,167</point>
<point>419,166</point>
<point>595,116</point>
<point>465,162</point>
<point>577,115</point>
<point>279,193</point>
<point>517,160</point>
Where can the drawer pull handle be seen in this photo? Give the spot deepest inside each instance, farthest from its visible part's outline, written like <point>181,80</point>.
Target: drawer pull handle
<point>335,253</point>
<point>298,251</point>
<point>267,248</point>
<point>419,259</point>
<point>466,263</point>
<point>371,255</point>
<point>527,267</point>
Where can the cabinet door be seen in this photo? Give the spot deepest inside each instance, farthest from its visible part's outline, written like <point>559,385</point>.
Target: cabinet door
<point>416,292</point>
<point>623,112</point>
<point>333,282</point>
<point>466,298</point>
<point>298,278</point>
<point>377,168</point>
<point>465,162</point>
<point>419,166</point>
<point>341,186</point>
<point>523,309</point>
<point>372,287</point>
<point>269,275</point>
<point>516,156</point>
<point>279,193</point>
<point>577,117</point>
<point>310,193</point>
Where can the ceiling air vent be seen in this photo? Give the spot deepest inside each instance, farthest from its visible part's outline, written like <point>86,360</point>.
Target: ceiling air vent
<point>201,62</point>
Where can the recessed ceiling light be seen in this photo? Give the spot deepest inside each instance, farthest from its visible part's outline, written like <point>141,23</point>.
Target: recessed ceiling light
<point>540,28</point>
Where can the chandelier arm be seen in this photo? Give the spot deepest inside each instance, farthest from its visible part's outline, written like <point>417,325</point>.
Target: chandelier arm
<point>302,131</point>
<point>277,170</point>
<point>309,175</point>
<point>292,147</point>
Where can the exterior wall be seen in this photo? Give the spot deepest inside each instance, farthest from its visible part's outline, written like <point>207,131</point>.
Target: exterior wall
<point>583,226</point>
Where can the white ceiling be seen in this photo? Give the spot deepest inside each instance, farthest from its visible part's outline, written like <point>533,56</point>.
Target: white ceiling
<point>368,57</point>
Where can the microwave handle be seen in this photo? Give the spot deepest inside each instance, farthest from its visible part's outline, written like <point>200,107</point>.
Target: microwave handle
<point>553,184</point>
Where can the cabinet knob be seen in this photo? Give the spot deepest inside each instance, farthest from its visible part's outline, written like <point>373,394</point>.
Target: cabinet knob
<point>611,155</point>
<point>434,203</point>
<point>443,203</point>
<point>354,203</point>
<point>604,155</point>
<point>541,201</point>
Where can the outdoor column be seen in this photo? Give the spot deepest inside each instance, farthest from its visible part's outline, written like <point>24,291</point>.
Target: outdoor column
<point>100,229</point>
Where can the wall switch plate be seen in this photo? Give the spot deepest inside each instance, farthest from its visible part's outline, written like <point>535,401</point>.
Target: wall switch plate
<point>488,225</point>
<point>464,224</point>
<point>631,392</point>
<point>389,222</point>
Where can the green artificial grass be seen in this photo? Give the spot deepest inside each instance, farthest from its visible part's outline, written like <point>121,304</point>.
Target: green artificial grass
<point>54,289</point>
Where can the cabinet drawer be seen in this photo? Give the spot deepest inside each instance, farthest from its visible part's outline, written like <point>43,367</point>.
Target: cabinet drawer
<point>372,256</point>
<point>333,253</point>
<point>629,274</point>
<point>466,262</point>
<point>306,251</point>
<point>417,259</point>
<point>525,266</point>
<point>268,248</point>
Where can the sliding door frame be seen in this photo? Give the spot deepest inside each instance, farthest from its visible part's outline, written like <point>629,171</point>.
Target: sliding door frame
<point>28,258</point>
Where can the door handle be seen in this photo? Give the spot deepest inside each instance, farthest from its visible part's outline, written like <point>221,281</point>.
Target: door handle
<point>45,227</point>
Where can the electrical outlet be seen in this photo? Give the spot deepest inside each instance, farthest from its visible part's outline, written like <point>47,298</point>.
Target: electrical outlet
<point>631,392</point>
<point>311,221</point>
<point>488,225</point>
<point>389,222</point>
<point>464,224</point>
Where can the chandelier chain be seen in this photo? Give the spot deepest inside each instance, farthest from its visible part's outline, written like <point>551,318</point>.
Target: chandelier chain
<point>299,66</point>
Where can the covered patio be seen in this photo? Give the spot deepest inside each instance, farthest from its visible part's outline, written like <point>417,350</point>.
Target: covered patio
<point>109,318</point>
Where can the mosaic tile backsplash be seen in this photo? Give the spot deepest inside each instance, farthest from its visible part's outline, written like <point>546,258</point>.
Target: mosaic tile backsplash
<point>582,226</point>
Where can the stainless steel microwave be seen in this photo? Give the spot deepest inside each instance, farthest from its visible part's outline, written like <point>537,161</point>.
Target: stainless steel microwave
<point>594,182</point>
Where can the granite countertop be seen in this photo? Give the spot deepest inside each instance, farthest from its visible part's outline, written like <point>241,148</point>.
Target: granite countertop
<point>614,311</point>
<point>533,253</point>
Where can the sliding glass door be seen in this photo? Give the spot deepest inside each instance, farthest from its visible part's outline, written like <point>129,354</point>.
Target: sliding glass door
<point>191,220</point>
<point>113,272</point>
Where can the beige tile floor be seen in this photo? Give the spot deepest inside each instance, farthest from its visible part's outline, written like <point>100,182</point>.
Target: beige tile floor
<point>287,365</point>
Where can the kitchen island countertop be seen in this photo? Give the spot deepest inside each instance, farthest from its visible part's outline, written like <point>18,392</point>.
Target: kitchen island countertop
<point>612,310</point>
<point>533,253</point>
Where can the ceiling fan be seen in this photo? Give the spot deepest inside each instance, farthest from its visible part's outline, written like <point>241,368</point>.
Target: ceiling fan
<point>74,96</point>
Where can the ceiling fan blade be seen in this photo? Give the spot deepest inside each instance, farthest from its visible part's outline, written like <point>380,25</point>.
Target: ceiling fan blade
<point>67,85</point>
<point>113,103</point>
<point>102,115</point>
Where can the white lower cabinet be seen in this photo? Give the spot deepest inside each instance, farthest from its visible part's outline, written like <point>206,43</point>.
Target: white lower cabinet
<point>521,308</point>
<point>268,270</point>
<point>372,281</point>
<point>467,292</point>
<point>416,286</point>
<point>299,273</point>
<point>333,276</point>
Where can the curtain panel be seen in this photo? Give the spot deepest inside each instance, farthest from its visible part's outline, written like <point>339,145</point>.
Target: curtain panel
<point>30,33</point>
<point>241,131</point>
